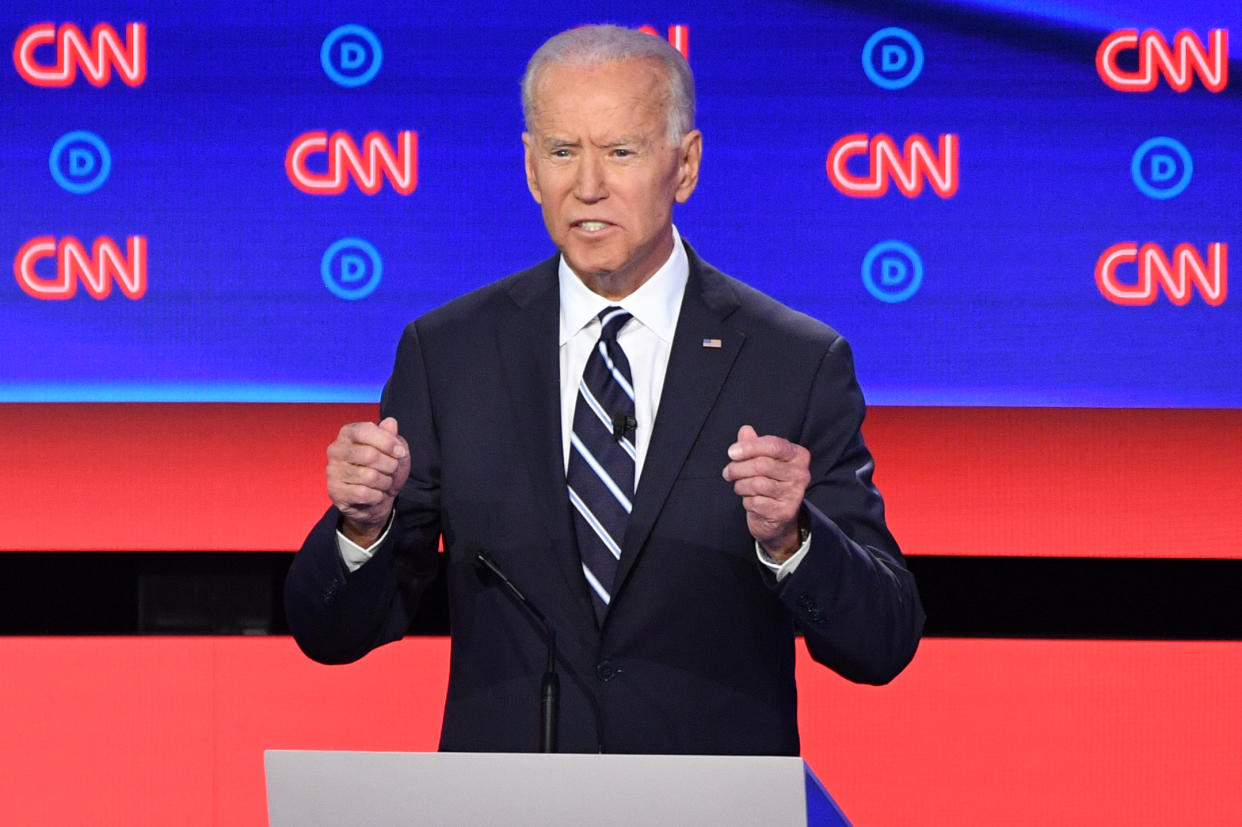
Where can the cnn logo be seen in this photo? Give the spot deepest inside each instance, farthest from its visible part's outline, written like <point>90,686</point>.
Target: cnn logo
<point>367,165</point>
<point>71,52</point>
<point>96,270</point>
<point>1154,271</point>
<point>909,167</point>
<point>1178,63</point>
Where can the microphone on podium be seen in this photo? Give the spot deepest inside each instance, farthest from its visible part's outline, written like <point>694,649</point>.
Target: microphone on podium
<point>550,687</point>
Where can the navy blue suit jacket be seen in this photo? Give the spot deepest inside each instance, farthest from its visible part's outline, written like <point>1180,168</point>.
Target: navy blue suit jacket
<point>696,653</point>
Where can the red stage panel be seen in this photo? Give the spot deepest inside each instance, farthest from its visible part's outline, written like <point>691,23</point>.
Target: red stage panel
<point>1013,733</point>
<point>161,477</point>
<point>158,731</point>
<point>1059,482</point>
<point>962,481</point>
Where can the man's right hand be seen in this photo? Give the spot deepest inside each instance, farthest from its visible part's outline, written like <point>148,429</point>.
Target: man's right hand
<point>367,465</point>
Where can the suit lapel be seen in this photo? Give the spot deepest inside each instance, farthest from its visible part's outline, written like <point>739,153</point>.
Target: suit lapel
<point>529,359</point>
<point>693,380</point>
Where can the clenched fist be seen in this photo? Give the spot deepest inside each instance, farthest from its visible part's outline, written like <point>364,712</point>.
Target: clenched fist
<point>367,465</point>
<point>770,474</point>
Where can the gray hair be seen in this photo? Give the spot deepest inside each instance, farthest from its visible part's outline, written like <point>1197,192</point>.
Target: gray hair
<point>594,45</point>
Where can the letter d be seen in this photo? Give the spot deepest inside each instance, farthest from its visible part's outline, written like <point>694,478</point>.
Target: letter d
<point>893,58</point>
<point>1163,167</point>
<point>352,56</point>
<point>353,268</point>
<point>893,271</point>
<point>81,162</point>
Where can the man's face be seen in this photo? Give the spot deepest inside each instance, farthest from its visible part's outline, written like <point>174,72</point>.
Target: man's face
<point>599,162</point>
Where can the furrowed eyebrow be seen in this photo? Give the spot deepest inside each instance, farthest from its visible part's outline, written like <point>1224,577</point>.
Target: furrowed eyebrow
<point>553,144</point>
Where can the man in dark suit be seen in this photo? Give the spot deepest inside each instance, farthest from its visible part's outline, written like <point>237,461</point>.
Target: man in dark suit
<point>667,462</point>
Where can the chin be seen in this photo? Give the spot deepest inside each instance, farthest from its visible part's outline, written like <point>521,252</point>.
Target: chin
<point>591,265</point>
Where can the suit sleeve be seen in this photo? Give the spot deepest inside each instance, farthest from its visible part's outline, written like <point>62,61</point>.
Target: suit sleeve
<point>852,594</point>
<point>337,616</point>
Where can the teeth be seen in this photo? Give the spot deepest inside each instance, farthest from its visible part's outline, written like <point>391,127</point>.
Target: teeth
<point>592,226</point>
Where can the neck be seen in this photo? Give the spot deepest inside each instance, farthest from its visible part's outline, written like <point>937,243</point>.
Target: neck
<point>618,284</point>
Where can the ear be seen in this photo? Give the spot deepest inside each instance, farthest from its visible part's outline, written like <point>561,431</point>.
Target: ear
<point>690,153</point>
<point>532,181</point>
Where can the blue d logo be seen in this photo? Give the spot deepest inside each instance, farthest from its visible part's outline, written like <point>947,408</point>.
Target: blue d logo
<point>80,162</point>
<point>892,271</point>
<point>1162,168</point>
<point>351,268</point>
<point>900,58</point>
<point>351,55</point>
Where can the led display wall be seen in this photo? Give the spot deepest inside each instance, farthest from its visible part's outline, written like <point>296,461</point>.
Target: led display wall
<point>1004,203</point>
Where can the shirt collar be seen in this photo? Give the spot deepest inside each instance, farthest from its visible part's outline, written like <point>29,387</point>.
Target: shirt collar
<point>656,304</point>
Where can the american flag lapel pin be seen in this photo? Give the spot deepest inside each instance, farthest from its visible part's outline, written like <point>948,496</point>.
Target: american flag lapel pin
<point>712,343</point>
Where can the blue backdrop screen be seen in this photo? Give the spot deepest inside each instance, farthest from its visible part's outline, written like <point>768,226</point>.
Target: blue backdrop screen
<point>1004,203</point>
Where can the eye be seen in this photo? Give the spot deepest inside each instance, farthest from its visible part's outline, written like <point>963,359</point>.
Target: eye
<point>560,153</point>
<point>622,153</point>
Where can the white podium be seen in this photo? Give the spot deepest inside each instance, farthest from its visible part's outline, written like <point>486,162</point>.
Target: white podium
<point>384,789</point>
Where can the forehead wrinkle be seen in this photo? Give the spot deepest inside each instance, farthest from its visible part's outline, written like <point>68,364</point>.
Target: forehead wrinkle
<point>621,141</point>
<point>553,142</point>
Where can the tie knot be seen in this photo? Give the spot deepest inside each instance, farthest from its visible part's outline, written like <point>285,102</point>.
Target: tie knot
<point>613,319</point>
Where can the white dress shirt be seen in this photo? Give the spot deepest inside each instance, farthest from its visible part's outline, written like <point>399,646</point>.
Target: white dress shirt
<point>647,340</point>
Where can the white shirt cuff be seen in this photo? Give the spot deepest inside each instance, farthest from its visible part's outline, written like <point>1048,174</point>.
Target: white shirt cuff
<point>354,555</point>
<point>783,570</point>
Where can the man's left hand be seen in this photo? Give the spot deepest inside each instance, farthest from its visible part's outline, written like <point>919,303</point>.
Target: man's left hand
<point>770,474</point>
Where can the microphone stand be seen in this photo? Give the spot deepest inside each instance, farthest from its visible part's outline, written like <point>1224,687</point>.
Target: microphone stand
<point>550,687</point>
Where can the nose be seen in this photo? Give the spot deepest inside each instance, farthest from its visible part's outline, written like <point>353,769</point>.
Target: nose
<point>589,182</point>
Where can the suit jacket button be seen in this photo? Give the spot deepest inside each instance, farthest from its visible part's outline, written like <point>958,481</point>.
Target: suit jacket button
<point>605,671</point>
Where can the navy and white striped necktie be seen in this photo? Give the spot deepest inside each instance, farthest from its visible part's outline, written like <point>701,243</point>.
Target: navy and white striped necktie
<point>600,475</point>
